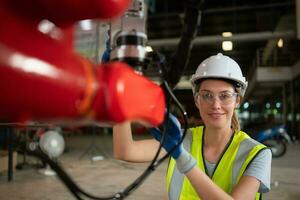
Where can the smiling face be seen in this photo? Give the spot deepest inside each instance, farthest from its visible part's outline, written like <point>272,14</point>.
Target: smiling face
<point>216,100</point>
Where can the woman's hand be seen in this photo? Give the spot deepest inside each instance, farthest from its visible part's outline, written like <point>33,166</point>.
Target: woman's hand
<point>172,136</point>
<point>184,160</point>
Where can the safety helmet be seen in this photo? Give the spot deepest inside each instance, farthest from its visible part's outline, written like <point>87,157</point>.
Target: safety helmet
<point>223,67</point>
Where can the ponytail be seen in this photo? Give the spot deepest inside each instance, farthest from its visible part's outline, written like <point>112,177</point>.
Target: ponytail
<point>235,124</point>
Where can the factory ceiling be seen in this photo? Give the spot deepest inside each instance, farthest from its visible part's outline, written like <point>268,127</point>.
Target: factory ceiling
<point>256,27</point>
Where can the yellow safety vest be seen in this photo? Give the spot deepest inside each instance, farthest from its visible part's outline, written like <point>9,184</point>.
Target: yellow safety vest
<point>239,153</point>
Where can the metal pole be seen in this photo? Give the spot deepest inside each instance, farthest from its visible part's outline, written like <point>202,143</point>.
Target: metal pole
<point>240,37</point>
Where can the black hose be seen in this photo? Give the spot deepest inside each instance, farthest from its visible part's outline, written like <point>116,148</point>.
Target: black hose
<point>179,60</point>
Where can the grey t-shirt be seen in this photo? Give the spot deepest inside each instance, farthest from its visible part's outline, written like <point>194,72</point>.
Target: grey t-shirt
<point>260,168</point>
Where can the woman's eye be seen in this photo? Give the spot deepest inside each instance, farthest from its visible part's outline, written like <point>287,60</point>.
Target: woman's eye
<point>207,96</point>
<point>224,96</point>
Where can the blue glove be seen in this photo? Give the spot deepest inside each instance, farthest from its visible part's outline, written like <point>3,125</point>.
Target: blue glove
<point>184,160</point>
<point>172,137</point>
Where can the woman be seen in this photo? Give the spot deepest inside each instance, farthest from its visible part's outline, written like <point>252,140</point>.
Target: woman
<point>217,160</point>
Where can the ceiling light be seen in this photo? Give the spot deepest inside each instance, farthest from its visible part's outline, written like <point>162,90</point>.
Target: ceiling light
<point>280,43</point>
<point>226,34</point>
<point>227,45</point>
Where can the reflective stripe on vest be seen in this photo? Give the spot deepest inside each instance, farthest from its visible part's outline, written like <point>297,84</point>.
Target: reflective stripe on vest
<point>228,171</point>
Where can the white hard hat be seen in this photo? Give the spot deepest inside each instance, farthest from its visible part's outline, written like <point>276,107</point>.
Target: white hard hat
<point>223,67</point>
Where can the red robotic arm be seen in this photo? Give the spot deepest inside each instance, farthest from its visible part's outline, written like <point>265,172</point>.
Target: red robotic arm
<point>63,12</point>
<point>42,79</point>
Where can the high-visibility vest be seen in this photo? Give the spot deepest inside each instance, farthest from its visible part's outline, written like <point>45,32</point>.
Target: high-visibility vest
<point>240,151</point>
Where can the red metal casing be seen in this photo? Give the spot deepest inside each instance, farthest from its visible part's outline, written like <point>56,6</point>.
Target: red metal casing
<point>42,79</point>
<point>67,11</point>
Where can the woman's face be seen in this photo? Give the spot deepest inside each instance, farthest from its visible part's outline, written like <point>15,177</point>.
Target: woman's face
<point>216,100</point>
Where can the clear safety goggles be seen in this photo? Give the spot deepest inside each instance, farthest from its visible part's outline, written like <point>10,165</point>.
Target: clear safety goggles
<point>224,98</point>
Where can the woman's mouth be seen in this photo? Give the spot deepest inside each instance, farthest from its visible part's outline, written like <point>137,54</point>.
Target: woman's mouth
<point>215,115</point>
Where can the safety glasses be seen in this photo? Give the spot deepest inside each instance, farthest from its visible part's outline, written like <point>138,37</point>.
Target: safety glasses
<point>225,97</point>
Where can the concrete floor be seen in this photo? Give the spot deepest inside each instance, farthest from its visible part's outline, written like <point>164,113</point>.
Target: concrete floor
<point>107,176</point>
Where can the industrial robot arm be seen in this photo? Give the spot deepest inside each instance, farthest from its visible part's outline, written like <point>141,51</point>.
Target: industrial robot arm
<point>128,36</point>
<point>42,79</point>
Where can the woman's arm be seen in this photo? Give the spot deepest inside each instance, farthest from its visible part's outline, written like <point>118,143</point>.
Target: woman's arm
<point>246,188</point>
<point>125,148</point>
<point>207,189</point>
<point>204,186</point>
<point>257,174</point>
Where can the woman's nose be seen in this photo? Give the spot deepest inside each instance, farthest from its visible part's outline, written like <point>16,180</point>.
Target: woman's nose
<point>216,102</point>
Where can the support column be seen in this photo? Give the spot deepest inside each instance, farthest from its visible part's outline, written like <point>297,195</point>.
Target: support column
<point>298,18</point>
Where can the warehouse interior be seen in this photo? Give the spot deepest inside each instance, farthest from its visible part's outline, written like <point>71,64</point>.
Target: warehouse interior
<point>263,38</point>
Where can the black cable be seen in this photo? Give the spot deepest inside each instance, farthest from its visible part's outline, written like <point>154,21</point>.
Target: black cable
<point>185,117</point>
<point>179,60</point>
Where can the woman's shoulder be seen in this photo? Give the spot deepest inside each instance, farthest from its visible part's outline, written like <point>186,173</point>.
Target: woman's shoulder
<point>244,135</point>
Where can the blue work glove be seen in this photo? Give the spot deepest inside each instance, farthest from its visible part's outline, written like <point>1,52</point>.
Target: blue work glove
<point>184,160</point>
<point>172,137</point>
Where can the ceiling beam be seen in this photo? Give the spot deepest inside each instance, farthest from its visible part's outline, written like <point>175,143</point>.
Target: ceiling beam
<point>240,37</point>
